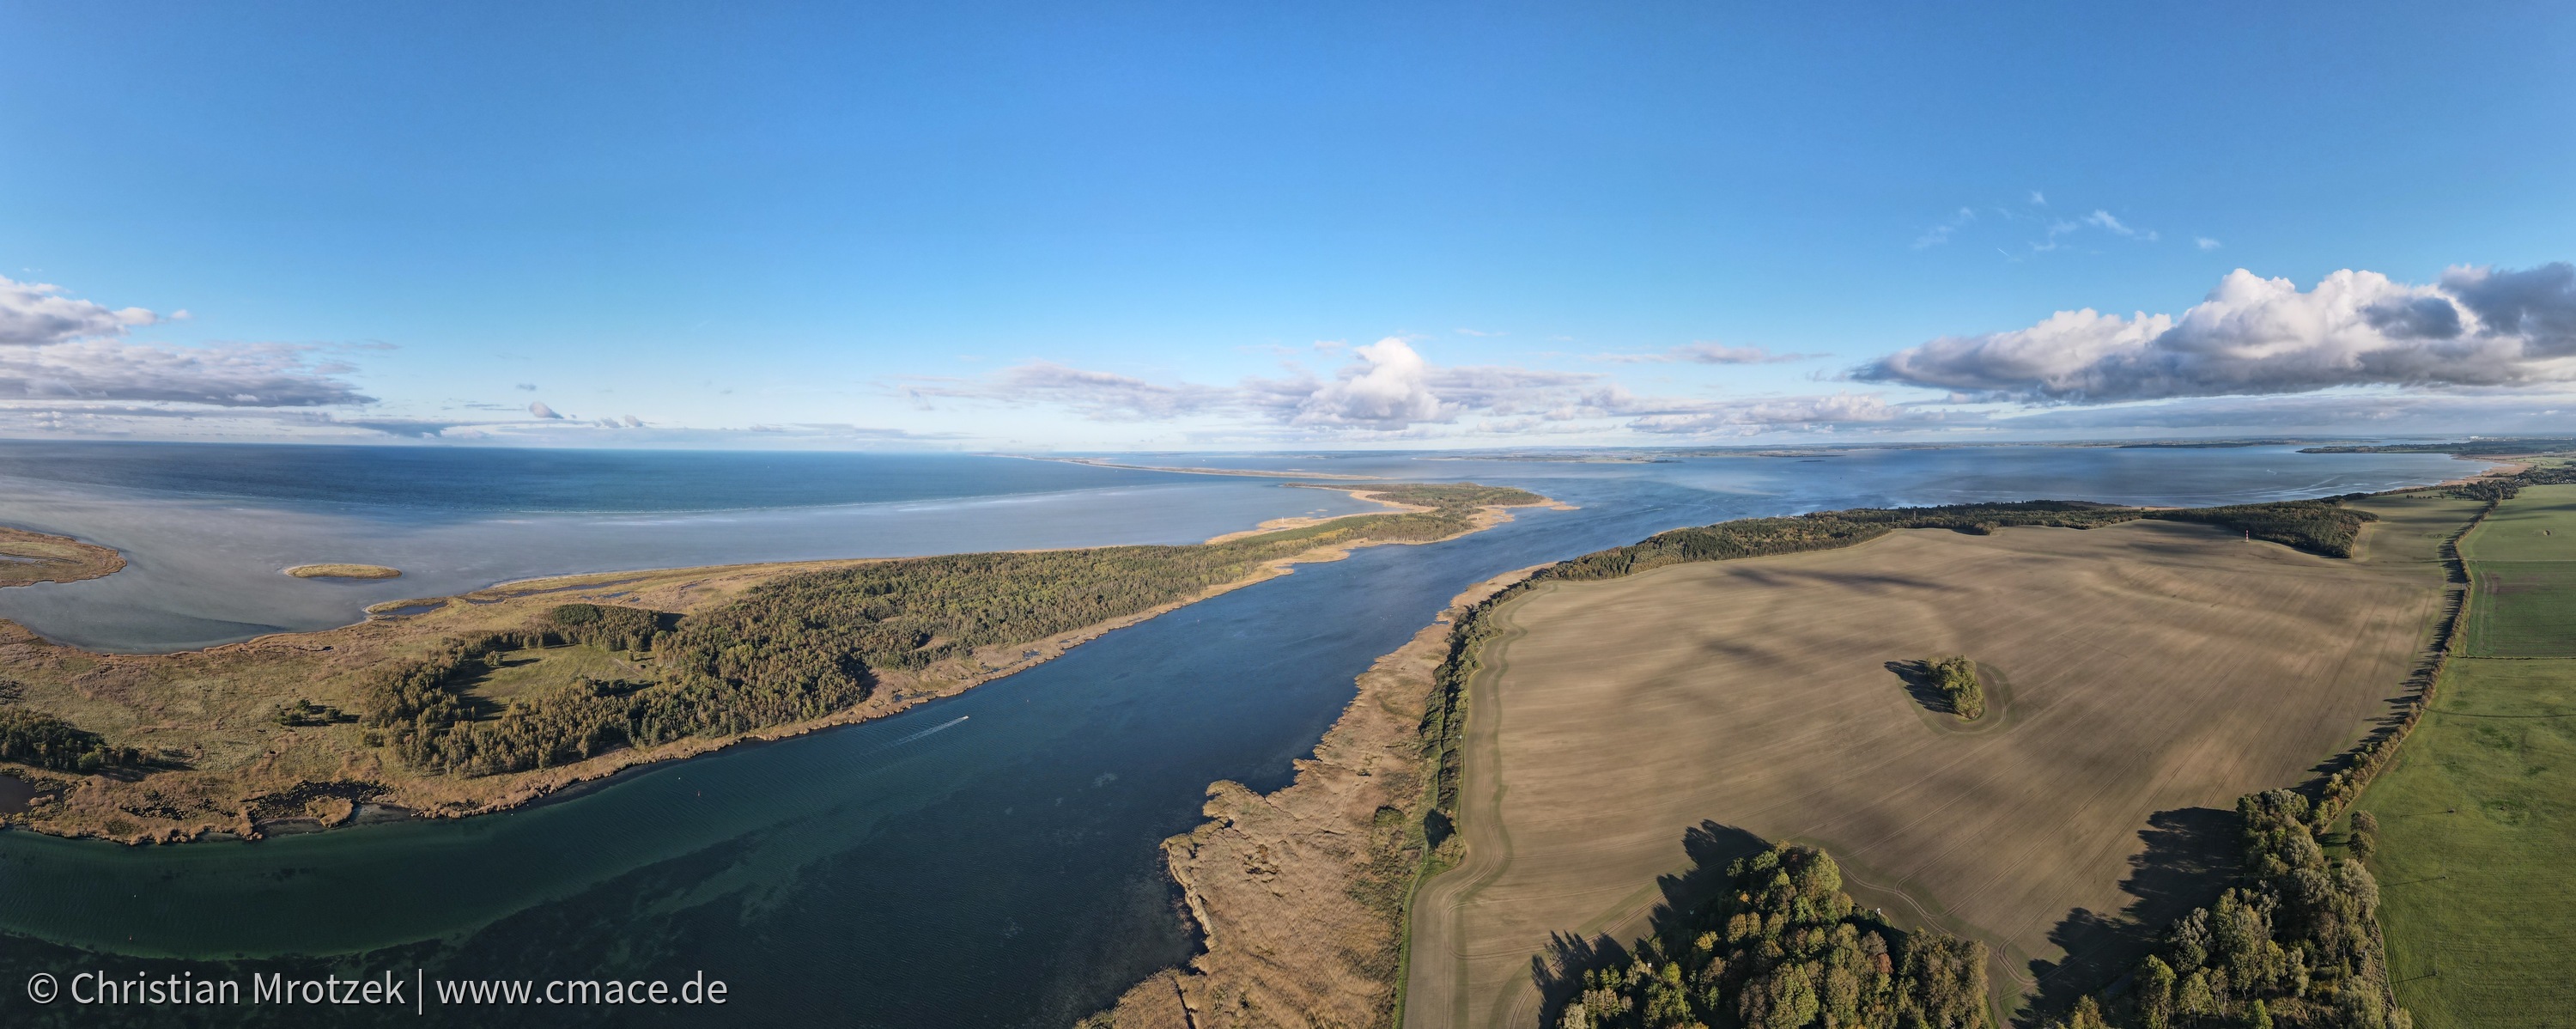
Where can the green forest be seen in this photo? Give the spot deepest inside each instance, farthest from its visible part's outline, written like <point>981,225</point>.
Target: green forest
<point>1784,947</point>
<point>808,645</point>
<point>2295,944</point>
<point>44,741</point>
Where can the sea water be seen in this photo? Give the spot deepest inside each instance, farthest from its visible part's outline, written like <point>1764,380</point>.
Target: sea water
<point>987,860</point>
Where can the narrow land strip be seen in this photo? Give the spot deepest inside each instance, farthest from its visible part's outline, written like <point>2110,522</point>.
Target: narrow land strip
<point>465,705</point>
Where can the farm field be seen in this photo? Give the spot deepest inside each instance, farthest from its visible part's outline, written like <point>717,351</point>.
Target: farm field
<point>2149,673</point>
<point>2477,852</point>
<point>2524,559</point>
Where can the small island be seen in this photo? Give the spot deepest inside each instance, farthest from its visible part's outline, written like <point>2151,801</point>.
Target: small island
<point>344,571</point>
<point>28,558</point>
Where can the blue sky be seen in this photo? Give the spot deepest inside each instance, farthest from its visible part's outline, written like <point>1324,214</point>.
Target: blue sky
<point>1187,225</point>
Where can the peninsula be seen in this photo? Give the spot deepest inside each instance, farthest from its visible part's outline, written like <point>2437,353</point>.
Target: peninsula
<point>462,705</point>
<point>27,558</point>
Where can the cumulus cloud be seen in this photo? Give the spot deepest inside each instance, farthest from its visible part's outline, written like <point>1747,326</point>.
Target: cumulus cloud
<point>2478,327</point>
<point>538,408</point>
<point>255,375</point>
<point>35,314</point>
<point>1704,353</point>
<point>1388,386</point>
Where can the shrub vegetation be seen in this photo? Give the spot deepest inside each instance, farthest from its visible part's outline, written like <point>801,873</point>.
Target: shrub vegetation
<point>808,645</point>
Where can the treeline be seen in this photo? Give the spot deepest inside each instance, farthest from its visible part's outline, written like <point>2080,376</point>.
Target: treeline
<point>32,738</point>
<point>2321,526</point>
<point>2317,526</point>
<point>1956,679</point>
<point>809,645</point>
<point>2507,487</point>
<point>1466,495</point>
<point>2296,944</point>
<point>2468,448</point>
<point>1825,530</point>
<point>1784,947</point>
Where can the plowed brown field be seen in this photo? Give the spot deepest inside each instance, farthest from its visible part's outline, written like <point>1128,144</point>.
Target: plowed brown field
<point>2151,672</point>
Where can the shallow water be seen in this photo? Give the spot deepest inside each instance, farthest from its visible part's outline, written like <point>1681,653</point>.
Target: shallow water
<point>986,860</point>
<point>206,541</point>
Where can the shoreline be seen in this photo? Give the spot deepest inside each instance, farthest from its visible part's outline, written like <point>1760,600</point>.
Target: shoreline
<point>1292,911</point>
<point>31,558</point>
<point>420,794</point>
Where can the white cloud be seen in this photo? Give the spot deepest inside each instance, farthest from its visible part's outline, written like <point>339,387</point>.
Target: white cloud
<point>2037,199</point>
<point>34,314</point>
<point>2250,336</point>
<point>1939,234</point>
<point>2103,220</point>
<point>2205,243</point>
<point>539,409</point>
<point>1388,387</point>
<point>1775,414</point>
<point>1704,353</point>
<point>249,375</point>
<point>1099,396</point>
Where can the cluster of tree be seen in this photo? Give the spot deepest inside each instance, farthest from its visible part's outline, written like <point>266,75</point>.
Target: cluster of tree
<point>305,712</point>
<point>1454,496</point>
<point>1956,677</point>
<point>31,738</point>
<point>1784,947</point>
<point>2318,526</point>
<point>2297,944</point>
<point>809,645</point>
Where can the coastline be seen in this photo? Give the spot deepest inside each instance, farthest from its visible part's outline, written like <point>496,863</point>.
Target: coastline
<point>1300,896</point>
<point>333,781</point>
<point>28,558</point>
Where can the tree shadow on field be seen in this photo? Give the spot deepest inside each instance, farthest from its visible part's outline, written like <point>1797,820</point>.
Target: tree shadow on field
<point>2191,856</point>
<point>1558,973</point>
<point>1923,686</point>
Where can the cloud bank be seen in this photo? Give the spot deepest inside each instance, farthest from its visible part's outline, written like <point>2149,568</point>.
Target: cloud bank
<point>35,314</point>
<point>2476,327</point>
<point>57,347</point>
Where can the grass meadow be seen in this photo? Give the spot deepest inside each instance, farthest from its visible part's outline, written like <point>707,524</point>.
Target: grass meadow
<point>2524,559</point>
<point>2477,854</point>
